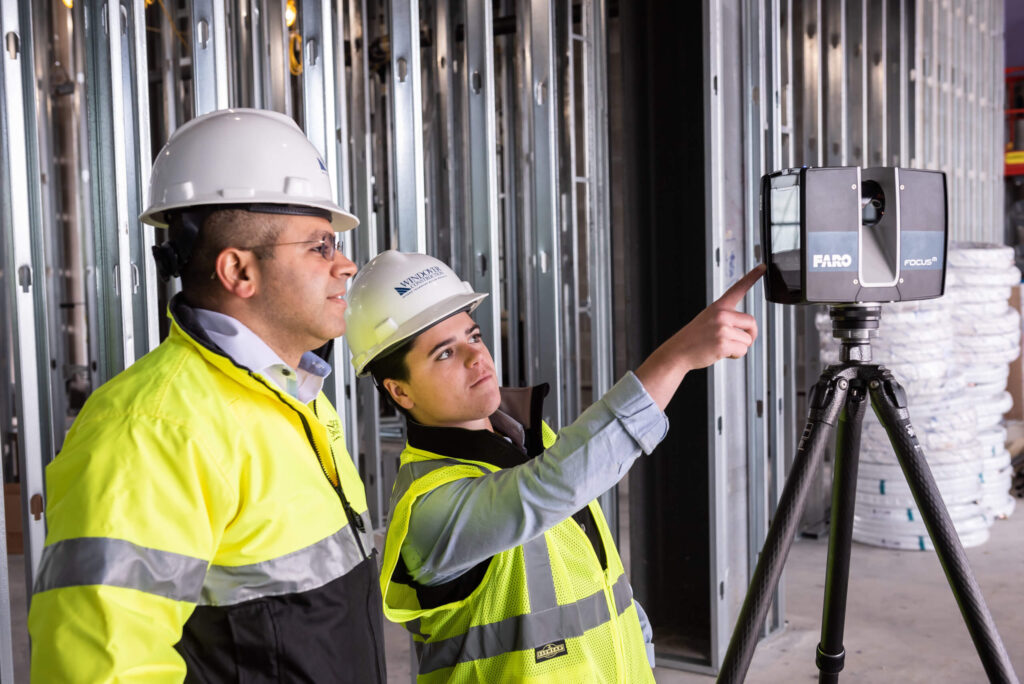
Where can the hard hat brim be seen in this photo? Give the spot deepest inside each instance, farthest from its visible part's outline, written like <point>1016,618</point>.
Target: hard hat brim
<point>341,221</point>
<point>427,318</point>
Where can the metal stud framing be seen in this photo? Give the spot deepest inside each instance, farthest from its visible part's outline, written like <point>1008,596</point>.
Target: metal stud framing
<point>25,295</point>
<point>209,56</point>
<point>541,303</point>
<point>728,254</point>
<point>478,131</point>
<point>482,171</point>
<point>406,116</point>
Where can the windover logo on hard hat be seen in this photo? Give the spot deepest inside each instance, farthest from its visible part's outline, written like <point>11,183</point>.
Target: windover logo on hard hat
<point>418,280</point>
<point>323,167</point>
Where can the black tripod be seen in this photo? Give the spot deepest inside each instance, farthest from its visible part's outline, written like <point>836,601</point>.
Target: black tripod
<point>841,395</point>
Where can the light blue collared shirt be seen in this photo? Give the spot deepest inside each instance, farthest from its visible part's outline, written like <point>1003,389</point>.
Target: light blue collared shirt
<point>246,348</point>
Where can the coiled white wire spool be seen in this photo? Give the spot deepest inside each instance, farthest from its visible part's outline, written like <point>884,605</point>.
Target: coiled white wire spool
<point>978,255</point>
<point>1007,322</point>
<point>989,412</point>
<point>967,518</point>
<point>935,457</point>
<point>986,373</point>
<point>895,493</point>
<point>991,441</point>
<point>921,542</point>
<point>899,516</point>
<point>989,277</point>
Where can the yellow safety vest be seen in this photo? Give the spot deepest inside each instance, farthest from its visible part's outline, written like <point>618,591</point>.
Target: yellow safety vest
<point>545,611</point>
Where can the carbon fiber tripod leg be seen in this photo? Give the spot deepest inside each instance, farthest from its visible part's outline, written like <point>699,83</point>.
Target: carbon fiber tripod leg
<point>826,400</point>
<point>831,654</point>
<point>890,404</point>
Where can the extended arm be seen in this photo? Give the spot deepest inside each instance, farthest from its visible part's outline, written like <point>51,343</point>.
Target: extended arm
<point>464,522</point>
<point>717,332</point>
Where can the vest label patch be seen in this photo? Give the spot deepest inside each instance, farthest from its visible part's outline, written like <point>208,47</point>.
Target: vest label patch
<point>549,651</point>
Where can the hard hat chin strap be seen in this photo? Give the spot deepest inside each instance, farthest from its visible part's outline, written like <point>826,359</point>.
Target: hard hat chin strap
<point>172,255</point>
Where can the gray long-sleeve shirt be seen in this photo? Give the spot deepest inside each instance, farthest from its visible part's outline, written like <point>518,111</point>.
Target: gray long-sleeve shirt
<point>459,524</point>
<point>462,523</point>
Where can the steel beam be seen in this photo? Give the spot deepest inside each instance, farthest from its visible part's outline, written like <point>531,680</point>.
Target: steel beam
<point>541,269</point>
<point>26,293</point>
<point>482,172</point>
<point>508,197</point>
<point>209,56</point>
<point>272,64</point>
<point>323,94</point>
<point>406,121</point>
<point>363,246</point>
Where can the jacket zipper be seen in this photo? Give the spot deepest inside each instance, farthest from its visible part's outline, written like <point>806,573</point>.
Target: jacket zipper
<point>355,520</point>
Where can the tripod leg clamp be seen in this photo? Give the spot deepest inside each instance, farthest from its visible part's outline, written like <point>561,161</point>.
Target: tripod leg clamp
<point>830,664</point>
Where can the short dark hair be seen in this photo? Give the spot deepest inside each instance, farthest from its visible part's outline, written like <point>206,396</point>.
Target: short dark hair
<point>221,230</point>
<point>392,365</point>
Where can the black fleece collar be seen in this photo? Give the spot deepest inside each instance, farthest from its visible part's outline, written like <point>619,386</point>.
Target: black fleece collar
<point>524,404</point>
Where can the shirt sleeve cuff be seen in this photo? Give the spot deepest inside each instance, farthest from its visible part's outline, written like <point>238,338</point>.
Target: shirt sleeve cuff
<point>636,411</point>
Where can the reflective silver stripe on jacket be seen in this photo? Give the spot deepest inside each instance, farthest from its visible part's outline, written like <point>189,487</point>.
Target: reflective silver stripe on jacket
<point>120,563</point>
<point>545,623</point>
<point>296,572</point>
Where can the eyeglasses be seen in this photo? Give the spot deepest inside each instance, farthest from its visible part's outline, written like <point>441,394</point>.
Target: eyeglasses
<point>327,246</point>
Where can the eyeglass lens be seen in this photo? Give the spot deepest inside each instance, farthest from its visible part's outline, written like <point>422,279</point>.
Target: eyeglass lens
<point>329,245</point>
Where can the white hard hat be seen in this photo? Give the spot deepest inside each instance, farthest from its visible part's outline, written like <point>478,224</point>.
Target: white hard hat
<point>398,295</point>
<point>244,157</point>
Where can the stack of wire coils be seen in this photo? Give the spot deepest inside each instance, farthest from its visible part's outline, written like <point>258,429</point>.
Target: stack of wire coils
<point>987,335</point>
<point>951,355</point>
<point>916,342</point>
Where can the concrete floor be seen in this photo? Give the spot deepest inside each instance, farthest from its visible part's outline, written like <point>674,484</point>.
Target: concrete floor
<point>902,624</point>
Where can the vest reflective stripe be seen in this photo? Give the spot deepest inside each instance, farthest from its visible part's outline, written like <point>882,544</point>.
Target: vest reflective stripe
<point>547,621</point>
<point>623,594</point>
<point>410,472</point>
<point>540,584</point>
<point>119,563</point>
<point>518,633</point>
<point>299,571</point>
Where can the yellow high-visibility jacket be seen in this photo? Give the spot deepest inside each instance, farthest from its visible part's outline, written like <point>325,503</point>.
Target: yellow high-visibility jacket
<point>545,611</point>
<point>204,525</point>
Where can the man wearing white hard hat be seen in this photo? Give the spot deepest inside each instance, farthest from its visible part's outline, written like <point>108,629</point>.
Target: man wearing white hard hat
<point>205,520</point>
<point>498,558</point>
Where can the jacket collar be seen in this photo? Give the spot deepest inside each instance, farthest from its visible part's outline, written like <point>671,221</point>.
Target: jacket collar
<point>183,314</point>
<point>523,404</point>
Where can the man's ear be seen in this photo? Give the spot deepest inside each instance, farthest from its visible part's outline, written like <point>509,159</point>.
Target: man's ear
<point>399,394</point>
<point>238,271</point>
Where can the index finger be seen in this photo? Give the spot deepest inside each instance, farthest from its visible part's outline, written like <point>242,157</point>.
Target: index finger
<point>734,295</point>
